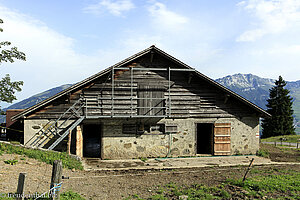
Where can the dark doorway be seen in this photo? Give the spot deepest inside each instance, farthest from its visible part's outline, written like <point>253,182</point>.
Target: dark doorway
<point>204,138</point>
<point>92,140</point>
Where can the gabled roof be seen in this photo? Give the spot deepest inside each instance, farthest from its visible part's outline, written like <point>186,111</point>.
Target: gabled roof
<point>127,61</point>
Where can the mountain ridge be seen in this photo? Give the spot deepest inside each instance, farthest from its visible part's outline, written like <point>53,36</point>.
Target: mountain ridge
<point>256,90</point>
<point>249,86</point>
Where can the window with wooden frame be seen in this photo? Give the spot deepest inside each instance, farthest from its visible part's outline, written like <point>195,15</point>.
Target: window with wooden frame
<point>151,100</point>
<point>171,128</point>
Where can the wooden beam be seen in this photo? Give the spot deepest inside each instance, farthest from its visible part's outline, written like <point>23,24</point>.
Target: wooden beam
<point>69,142</point>
<point>79,142</point>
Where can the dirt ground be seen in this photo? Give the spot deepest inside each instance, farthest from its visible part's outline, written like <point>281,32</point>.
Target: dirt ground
<point>281,154</point>
<point>115,184</point>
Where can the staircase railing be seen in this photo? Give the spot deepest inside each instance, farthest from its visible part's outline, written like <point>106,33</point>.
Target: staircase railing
<point>54,128</point>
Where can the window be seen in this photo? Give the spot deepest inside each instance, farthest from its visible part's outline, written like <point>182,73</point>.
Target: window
<point>171,128</point>
<point>151,100</point>
<point>129,128</point>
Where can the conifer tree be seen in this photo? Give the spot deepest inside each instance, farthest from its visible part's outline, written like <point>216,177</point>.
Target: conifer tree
<point>280,107</point>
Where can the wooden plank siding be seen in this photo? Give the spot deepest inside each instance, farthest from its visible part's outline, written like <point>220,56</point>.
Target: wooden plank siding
<point>190,95</point>
<point>222,138</point>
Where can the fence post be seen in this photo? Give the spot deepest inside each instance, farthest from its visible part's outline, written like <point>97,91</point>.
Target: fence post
<point>56,179</point>
<point>21,186</point>
<point>249,167</point>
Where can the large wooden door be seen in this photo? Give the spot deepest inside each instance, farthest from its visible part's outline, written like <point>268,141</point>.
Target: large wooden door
<point>222,138</point>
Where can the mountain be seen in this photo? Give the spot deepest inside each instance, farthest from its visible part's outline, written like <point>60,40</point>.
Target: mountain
<point>256,90</point>
<point>251,87</point>
<point>26,103</point>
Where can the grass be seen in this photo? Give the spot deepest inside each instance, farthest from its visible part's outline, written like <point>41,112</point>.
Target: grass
<point>290,138</point>
<point>282,185</point>
<point>11,162</point>
<point>196,191</point>
<point>271,184</point>
<point>71,195</point>
<point>263,153</point>
<point>44,156</point>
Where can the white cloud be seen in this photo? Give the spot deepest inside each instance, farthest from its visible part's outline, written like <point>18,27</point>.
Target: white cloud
<point>114,7</point>
<point>271,17</point>
<point>165,18</point>
<point>51,60</point>
<point>138,42</point>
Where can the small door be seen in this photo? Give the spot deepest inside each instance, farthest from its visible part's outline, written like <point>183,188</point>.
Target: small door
<point>222,138</point>
<point>204,138</point>
<point>92,140</point>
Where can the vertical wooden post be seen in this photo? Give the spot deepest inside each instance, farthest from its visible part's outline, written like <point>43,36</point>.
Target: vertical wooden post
<point>69,142</point>
<point>21,186</point>
<point>250,165</point>
<point>79,141</point>
<point>56,179</point>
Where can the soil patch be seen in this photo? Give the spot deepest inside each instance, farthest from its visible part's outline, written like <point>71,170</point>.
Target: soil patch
<point>118,184</point>
<point>281,154</point>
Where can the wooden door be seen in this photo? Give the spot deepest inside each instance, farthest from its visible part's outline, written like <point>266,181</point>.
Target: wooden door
<point>222,138</point>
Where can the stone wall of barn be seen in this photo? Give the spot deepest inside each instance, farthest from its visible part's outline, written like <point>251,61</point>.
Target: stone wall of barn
<point>116,145</point>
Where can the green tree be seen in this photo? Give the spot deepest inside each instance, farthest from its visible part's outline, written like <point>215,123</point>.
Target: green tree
<point>280,107</point>
<point>8,88</point>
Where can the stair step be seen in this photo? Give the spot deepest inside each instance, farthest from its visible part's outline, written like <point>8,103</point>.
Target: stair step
<point>50,130</point>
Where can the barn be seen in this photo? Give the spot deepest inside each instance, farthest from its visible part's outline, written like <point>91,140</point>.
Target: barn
<point>148,105</point>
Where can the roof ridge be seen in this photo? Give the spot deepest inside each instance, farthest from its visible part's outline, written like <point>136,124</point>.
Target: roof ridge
<point>126,60</point>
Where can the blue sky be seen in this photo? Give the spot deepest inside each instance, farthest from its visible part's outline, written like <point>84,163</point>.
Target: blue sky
<point>67,41</point>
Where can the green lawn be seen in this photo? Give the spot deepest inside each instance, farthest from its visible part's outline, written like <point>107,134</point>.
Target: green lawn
<point>44,156</point>
<point>290,138</point>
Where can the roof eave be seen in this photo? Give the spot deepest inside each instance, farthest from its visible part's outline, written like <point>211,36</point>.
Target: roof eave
<point>80,84</point>
<point>125,61</point>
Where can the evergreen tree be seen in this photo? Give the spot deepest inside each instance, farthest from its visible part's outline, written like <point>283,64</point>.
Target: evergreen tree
<point>280,107</point>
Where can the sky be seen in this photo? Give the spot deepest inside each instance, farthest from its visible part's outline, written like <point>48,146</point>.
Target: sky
<point>67,41</point>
